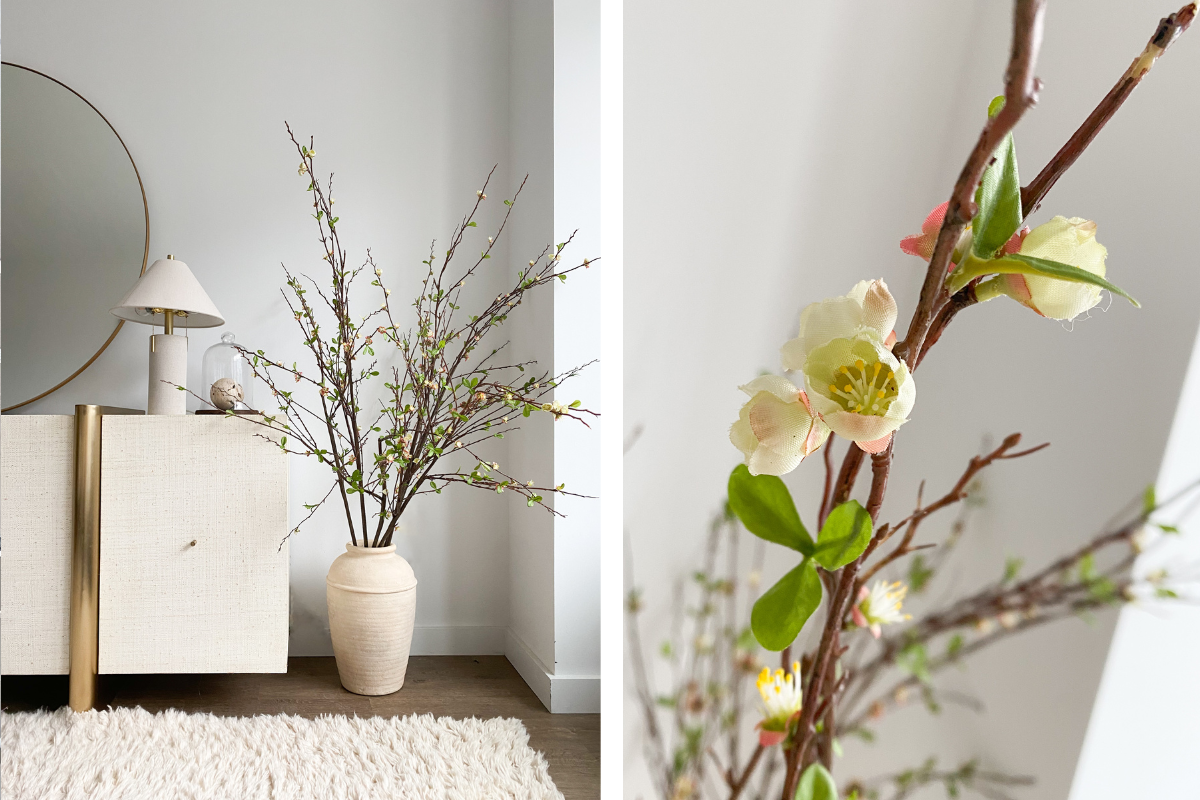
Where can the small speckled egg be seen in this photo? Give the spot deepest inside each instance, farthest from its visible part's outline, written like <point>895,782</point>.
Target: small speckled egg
<point>225,393</point>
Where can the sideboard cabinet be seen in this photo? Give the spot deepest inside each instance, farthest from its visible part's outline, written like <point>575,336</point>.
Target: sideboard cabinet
<point>190,530</point>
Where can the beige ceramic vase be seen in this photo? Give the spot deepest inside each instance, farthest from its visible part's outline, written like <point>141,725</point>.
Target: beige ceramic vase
<point>372,598</point>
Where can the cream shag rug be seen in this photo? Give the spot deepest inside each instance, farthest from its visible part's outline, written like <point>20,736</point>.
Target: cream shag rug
<point>131,753</point>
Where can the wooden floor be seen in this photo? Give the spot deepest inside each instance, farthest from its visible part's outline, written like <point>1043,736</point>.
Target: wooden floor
<point>453,686</point>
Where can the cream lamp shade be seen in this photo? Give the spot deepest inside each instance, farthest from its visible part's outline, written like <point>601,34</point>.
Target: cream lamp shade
<point>168,290</point>
<point>169,284</point>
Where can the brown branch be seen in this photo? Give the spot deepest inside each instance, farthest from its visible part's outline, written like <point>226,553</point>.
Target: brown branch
<point>1020,94</point>
<point>846,476</point>
<point>821,666</point>
<point>736,786</point>
<point>1043,597</point>
<point>881,466</point>
<point>1169,29</point>
<point>963,298</point>
<point>955,495</point>
<point>825,493</point>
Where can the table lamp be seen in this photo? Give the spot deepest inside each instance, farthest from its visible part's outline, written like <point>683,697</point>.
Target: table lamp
<point>168,292</point>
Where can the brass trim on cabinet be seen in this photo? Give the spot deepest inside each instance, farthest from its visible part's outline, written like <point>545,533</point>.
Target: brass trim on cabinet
<point>84,634</point>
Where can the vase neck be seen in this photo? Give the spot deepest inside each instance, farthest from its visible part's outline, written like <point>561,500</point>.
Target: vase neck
<point>356,550</point>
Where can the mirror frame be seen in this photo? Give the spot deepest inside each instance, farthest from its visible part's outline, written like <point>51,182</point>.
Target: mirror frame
<point>145,251</point>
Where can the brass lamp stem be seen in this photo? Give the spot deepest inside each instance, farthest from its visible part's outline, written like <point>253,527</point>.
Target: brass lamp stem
<point>168,321</point>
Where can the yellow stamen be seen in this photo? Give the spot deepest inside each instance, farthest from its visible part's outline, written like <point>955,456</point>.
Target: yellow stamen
<point>864,392</point>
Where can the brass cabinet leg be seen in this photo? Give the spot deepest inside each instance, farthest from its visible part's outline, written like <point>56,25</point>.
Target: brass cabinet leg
<point>85,561</point>
<point>85,556</point>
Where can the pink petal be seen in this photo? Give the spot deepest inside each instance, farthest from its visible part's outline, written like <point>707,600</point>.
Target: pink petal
<point>890,341</point>
<point>1019,291</point>
<point>922,246</point>
<point>935,219</point>
<point>876,631</point>
<point>859,619</point>
<point>813,441</point>
<point>913,245</point>
<point>876,446</point>
<point>803,398</point>
<point>1013,245</point>
<point>768,738</point>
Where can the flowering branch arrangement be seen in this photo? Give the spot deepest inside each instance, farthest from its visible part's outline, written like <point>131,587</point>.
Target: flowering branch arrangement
<point>449,393</point>
<point>859,381</point>
<point>694,728</point>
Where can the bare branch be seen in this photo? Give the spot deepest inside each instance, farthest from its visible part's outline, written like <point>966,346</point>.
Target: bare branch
<point>1169,29</point>
<point>1020,94</point>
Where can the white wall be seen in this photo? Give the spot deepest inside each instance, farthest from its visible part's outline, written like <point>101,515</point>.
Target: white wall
<point>410,106</point>
<point>554,639</point>
<point>530,643</point>
<point>577,341</point>
<point>1149,684</point>
<point>776,154</point>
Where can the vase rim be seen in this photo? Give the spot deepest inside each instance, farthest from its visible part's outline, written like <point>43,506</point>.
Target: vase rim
<point>360,550</point>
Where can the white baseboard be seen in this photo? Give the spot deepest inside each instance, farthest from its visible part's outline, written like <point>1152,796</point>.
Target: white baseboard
<point>528,666</point>
<point>575,694</point>
<point>560,694</point>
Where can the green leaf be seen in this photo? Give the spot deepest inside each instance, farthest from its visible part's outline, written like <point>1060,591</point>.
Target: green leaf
<point>1012,568</point>
<point>1149,500</point>
<point>1019,264</point>
<point>781,612</point>
<point>1087,567</point>
<point>765,507</point>
<point>866,734</point>
<point>954,645</point>
<point>1168,528</point>
<point>913,660</point>
<point>998,197</point>
<point>1102,590</point>
<point>816,784</point>
<point>844,536</point>
<point>746,641</point>
<point>919,574</point>
<point>931,703</point>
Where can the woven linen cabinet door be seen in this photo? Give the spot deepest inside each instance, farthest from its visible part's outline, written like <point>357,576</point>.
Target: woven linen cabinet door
<point>193,510</point>
<point>37,478</point>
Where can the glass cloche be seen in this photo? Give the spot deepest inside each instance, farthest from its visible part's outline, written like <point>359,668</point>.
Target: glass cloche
<point>228,379</point>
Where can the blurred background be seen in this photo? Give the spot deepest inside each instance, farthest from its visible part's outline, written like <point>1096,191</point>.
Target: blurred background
<point>776,153</point>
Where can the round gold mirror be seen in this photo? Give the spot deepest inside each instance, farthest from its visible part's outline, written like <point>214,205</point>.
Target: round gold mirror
<point>76,233</point>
